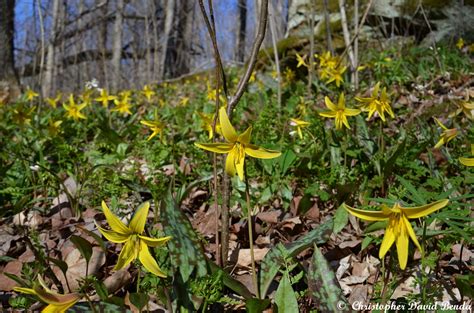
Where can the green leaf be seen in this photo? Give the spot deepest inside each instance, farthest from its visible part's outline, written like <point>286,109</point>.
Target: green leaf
<point>464,284</point>
<point>101,290</point>
<point>59,263</point>
<point>230,282</point>
<point>139,299</point>
<point>366,242</point>
<point>272,262</point>
<point>286,161</point>
<point>255,305</point>
<point>415,195</point>
<point>285,298</point>
<point>341,217</point>
<point>84,247</point>
<point>323,285</point>
<point>185,248</point>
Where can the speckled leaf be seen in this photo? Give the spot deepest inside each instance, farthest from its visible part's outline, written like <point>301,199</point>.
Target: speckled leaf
<point>185,247</point>
<point>323,286</point>
<point>273,259</point>
<point>285,298</point>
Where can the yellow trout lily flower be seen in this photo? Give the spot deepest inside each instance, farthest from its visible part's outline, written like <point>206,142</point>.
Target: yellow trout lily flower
<point>22,115</point>
<point>236,147</point>
<point>446,136</point>
<point>53,102</point>
<point>135,243</point>
<point>339,112</point>
<point>104,98</point>
<point>54,127</point>
<point>301,60</point>
<point>460,43</point>
<point>31,94</point>
<point>299,125</point>
<point>468,161</point>
<point>122,105</point>
<point>206,123</point>
<point>374,103</point>
<point>148,92</point>
<point>57,303</point>
<point>73,110</point>
<point>155,126</point>
<point>399,228</point>
<point>465,107</point>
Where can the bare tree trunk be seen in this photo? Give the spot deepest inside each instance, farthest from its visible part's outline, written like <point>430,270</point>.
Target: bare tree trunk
<point>242,9</point>
<point>9,83</point>
<point>102,46</point>
<point>347,37</point>
<point>47,86</point>
<point>117,45</point>
<point>169,17</point>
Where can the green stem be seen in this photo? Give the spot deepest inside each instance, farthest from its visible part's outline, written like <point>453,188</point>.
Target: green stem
<point>138,279</point>
<point>382,151</point>
<point>90,303</point>
<point>250,227</point>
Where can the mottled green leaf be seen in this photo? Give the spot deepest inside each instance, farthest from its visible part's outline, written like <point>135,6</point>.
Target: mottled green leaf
<point>285,298</point>
<point>341,217</point>
<point>323,285</point>
<point>255,305</point>
<point>272,262</point>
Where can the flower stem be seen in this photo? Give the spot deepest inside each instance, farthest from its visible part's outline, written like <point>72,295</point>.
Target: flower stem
<point>138,279</point>
<point>250,227</point>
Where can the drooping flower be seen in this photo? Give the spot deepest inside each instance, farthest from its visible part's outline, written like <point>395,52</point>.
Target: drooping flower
<point>236,147</point>
<point>132,236</point>
<point>54,127</point>
<point>206,123</point>
<point>301,60</point>
<point>148,92</point>
<point>468,161</point>
<point>53,102</point>
<point>466,107</point>
<point>374,103</point>
<point>299,125</point>
<point>122,105</point>
<point>22,115</point>
<point>31,94</point>
<point>399,228</point>
<point>73,110</point>
<point>104,98</point>
<point>155,126</point>
<point>57,303</point>
<point>339,112</point>
<point>460,43</point>
<point>446,136</point>
<point>184,101</point>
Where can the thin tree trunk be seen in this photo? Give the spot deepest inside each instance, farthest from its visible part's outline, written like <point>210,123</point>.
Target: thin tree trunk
<point>347,39</point>
<point>169,18</point>
<point>117,45</point>
<point>102,46</point>
<point>9,83</point>
<point>47,86</point>
<point>241,36</point>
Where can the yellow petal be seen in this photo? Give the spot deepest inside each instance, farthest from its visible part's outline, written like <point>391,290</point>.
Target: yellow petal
<point>329,104</point>
<point>420,211</point>
<point>128,254</point>
<point>230,163</point>
<point>440,124</point>
<point>402,245</point>
<point>245,136</point>
<point>112,236</point>
<point>330,114</point>
<point>300,133</point>
<point>439,143</point>
<point>154,242</point>
<point>467,161</point>
<point>148,261</point>
<point>215,147</point>
<point>388,240</point>
<point>137,224</point>
<point>28,291</point>
<point>228,130</point>
<point>59,308</point>
<point>341,103</point>
<point>351,112</point>
<point>239,159</point>
<point>371,216</point>
<point>114,222</point>
<point>411,232</point>
<point>261,153</point>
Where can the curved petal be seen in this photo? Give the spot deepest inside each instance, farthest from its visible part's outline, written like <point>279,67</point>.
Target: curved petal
<point>114,222</point>
<point>112,236</point>
<point>28,291</point>
<point>228,130</point>
<point>245,136</point>
<point>388,240</point>
<point>345,121</point>
<point>351,112</point>
<point>154,242</point>
<point>439,143</point>
<point>230,163</point>
<point>467,161</point>
<point>137,224</point>
<point>328,114</point>
<point>420,211</point>
<point>370,216</point>
<point>411,232</point>
<point>402,245</point>
<point>331,106</point>
<point>375,92</point>
<point>215,147</point>
<point>261,153</point>
<point>341,102</point>
<point>128,254</point>
<point>239,164</point>
<point>148,261</point>
<point>53,308</point>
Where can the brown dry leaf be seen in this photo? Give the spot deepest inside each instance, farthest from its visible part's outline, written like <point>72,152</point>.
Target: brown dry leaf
<point>77,266</point>
<point>313,213</point>
<point>205,222</point>
<point>290,223</point>
<point>185,165</point>
<point>244,256</point>
<point>117,280</point>
<point>13,267</point>
<point>359,294</point>
<point>467,254</point>
<point>168,170</point>
<point>349,244</point>
<point>407,287</point>
<point>269,216</point>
